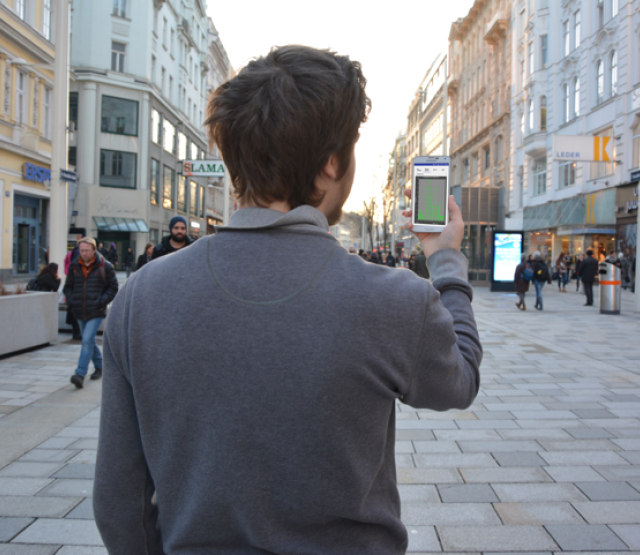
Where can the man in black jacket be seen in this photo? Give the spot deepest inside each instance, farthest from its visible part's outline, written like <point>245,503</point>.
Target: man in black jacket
<point>176,240</point>
<point>91,285</point>
<point>588,271</point>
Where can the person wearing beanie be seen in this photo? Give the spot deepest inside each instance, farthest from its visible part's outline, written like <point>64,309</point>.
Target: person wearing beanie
<point>176,240</point>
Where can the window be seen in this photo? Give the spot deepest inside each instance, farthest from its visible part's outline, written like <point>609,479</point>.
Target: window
<point>474,168</point>
<point>20,96</point>
<point>600,14</point>
<point>636,146</point>
<point>531,117</point>
<point>540,176</point>
<point>72,156</point>
<point>46,19</point>
<point>171,49</point>
<point>164,32</point>
<point>154,186</point>
<point>193,198</point>
<point>156,129</point>
<point>170,88</point>
<point>522,74</point>
<point>182,146</point>
<point>153,69</point>
<point>194,151</point>
<point>7,88</point>
<point>119,116</point>
<point>182,193</point>
<point>168,136</point>
<point>600,169</point>
<point>614,8</point>
<point>203,205</point>
<point>46,113</point>
<point>521,127</point>
<point>119,7</point>
<point>520,198</point>
<point>117,57</point>
<point>168,180</point>
<point>487,157</point>
<point>576,28</point>
<point>36,94</point>
<point>567,174</point>
<point>576,97</point>
<point>163,75</point>
<point>599,82</point>
<point>565,35</point>
<point>73,108</point>
<point>543,113</point>
<point>498,156</point>
<point>544,51</point>
<point>530,55</point>
<point>117,169</point>
<point>565,103</point>
<point>18,6</point>
<point>614,73</point>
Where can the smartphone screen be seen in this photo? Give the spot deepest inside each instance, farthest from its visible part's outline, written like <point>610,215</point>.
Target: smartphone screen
<point>431,193</point>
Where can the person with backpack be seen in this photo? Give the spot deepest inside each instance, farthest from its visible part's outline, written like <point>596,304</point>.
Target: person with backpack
<point>540,276</point>
<point>522,277</point>
<point>588,273</point>
<point>90,286</point>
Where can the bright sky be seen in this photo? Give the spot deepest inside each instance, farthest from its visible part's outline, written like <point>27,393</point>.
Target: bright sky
<point>395,43</point>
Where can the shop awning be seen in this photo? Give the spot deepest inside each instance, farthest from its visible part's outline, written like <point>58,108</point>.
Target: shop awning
<point>134,225</point>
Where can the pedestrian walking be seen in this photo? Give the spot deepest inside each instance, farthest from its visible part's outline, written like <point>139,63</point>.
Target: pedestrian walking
<point>391,261</point>
<point>579,260</point>
<point>522,277</point>
<point>269,426</point>
<point>412,262</point>
<point>70,320</point>
<point>420,264</point>
<point>48,279</point>
<point>129,259</point>
<point>104,252</point>
<point>112,255</point>
<point>90,286</point>
<point>540,277</point>
<point>145,257</point>
<point>588,273</point>
<point>176,240</point>
<point>563,273</point>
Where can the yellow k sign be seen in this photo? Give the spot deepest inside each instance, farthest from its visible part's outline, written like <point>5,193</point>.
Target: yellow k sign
<point>600,149</point>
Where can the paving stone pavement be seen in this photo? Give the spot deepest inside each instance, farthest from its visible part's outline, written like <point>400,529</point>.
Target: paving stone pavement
<point>546,460</point>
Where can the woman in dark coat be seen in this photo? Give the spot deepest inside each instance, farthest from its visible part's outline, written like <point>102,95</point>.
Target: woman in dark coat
<point>112,255</point>
<point>48,279</point>
<point>145,257</point>
<point>522,285</point>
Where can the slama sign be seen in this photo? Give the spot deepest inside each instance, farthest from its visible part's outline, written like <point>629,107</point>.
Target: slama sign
<point>203,168</point>
<point>582,148</point>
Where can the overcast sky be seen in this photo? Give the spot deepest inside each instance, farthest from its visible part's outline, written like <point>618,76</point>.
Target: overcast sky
<point>395,42</point>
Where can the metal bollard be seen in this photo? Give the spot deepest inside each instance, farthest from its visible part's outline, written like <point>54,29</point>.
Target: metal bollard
<point>610,285</point>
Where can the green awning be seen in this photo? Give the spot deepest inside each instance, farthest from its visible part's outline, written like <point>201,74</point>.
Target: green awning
<point>134,225</point>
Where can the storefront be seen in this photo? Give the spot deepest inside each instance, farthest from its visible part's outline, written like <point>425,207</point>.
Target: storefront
<point>572,226</point>
<point>627,218</point>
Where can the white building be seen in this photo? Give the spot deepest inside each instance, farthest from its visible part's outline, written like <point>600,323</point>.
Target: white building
<point>575,71</point>
<point>138,102</point>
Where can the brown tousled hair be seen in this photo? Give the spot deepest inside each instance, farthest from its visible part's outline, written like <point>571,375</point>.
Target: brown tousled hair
<point>281,118</point>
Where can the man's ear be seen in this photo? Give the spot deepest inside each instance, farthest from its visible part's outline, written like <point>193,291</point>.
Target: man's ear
<point>331,168</point>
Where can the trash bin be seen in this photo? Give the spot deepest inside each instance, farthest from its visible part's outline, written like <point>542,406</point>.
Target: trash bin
<point>610,285</point>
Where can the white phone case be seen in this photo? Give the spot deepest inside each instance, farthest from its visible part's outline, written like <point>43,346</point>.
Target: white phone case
<point>422,162</point>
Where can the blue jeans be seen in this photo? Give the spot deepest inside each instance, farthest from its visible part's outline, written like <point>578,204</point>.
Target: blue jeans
<point>562,280</point>
<point>539,285</point>
<point>90,350</point>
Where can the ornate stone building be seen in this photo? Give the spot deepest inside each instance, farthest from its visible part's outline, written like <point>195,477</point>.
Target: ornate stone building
<point>479,81</point>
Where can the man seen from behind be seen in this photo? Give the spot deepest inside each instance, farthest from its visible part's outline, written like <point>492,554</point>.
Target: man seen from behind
<point>588,273</point>
<point>269,427</point>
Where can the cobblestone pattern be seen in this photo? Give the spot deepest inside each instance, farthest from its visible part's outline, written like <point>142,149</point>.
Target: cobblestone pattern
<point>546,460</point>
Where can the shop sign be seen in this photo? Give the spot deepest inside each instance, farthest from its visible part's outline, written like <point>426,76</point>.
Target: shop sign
<point>36,173</point>
<point>203,168</point>
<point>635,176</point>
<point>66,175</point>
<point>635,99</point>
<point>582,148</point>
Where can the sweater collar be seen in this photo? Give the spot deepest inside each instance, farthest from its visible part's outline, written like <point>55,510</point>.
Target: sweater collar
<point>301,218</point>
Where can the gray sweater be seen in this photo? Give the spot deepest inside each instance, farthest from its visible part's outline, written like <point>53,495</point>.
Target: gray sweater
<point>250,382</point>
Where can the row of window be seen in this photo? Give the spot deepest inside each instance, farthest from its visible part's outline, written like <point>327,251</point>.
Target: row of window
<point>478,164</point>
<point>22,88</point>
<point>165,134</point>
<point>24,10</point>
<point>165,191</point>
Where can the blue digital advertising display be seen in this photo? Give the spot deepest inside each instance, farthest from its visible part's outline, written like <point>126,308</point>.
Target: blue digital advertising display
<point>507,251</point>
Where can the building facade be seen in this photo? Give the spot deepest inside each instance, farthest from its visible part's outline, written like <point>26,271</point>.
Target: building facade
<point>576,71</point>
<point>479,85</point>
<point>138,103</point>
<point>26,56</point>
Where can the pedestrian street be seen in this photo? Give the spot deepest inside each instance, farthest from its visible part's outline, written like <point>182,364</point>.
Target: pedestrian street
<point>546,460</point>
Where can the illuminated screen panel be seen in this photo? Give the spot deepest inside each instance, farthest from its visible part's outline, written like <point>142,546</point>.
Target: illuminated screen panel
<point>431,196</point>
<point>507,250</point>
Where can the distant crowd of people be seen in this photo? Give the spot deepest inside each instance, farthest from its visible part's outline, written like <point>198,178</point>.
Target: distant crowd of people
<point>416,261</point>
<point>533,268</point>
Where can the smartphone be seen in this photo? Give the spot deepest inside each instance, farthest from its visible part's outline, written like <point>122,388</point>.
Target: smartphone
<point>430,193</point>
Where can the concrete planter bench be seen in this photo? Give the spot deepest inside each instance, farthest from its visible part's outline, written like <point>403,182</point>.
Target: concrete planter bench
<point>27,321</point>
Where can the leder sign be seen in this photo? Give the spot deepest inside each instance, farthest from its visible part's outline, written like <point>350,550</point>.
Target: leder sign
<point>203,168</point>
<point>582,148</point>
